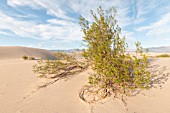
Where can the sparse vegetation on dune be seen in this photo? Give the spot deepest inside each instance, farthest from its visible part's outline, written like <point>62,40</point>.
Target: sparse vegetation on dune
<point>115,72</point>
<point>65,65</point>
<point>163,55</point>
<point>25,57</point>
<point>28,58</point>
<point>31,58</point>
<point>62,56</point>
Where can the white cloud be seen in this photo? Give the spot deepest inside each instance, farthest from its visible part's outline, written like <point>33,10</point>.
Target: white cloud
<point>15,3</point>
<point>4,33</point>
<point>139,20</point>
<point>30,29</point>
<point>61,22</point>
<point>53,7</point>
<point>60,9</point>
<point>18,2</point>
<point>63,26</point>
<point>130,39</point>
<point>57,8</point>
<point>159,27</point>
<point>83,7</point>
<point>144,7</point>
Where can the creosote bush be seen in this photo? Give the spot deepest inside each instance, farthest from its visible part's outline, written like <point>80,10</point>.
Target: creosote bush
<point>116,72</point>
<point>163,55</point>
<point>63,56</point>
<point>31,58</point>
<point>66,65</point>
<point>25,57</point>
<point>28,58</point>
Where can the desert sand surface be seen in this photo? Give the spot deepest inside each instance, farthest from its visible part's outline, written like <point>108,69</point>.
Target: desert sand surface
<point>19,93</point>
<point>17,52</point>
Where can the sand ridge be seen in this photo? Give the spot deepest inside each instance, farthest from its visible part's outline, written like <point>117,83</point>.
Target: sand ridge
<point>17,52</point>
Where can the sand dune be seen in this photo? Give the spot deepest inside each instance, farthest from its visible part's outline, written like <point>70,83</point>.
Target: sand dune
<point>19,93</point>
<point>15,52</point>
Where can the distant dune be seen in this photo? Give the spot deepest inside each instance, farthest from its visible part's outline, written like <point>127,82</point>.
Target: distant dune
<point>16,52</point>
<point>163,49</point>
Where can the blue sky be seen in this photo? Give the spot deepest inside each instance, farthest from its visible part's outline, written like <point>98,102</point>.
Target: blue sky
<point>53,24</point>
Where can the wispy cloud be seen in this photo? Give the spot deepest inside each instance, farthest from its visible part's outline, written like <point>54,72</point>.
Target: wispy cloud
<point>144,7</point>
<point>61,10</point>
<point>16,3</point>
<point>54,20</point>
<point>159,27</point>
<point>62,26</point>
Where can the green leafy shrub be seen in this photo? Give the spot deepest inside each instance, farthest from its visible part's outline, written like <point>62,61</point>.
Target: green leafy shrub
<point>67,65</point>
<point>25,57</point>
<point>163,55</point>
<point>63,56</point>
<point>31,58</point>
<point>115,71</point>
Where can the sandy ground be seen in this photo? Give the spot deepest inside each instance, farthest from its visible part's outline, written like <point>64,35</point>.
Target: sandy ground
<point>18,81</point>
<point>18,94</point>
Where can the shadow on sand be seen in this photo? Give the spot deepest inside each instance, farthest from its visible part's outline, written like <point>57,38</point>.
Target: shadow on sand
<point>159,75</point>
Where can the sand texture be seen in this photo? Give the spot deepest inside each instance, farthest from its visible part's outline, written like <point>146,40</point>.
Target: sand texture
<point>19,92</point>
